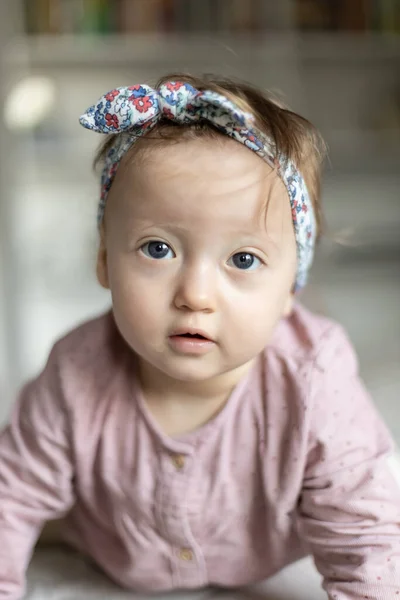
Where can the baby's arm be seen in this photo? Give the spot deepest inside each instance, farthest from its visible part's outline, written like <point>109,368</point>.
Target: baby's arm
<point>350,504</point>
<point>35,474</point>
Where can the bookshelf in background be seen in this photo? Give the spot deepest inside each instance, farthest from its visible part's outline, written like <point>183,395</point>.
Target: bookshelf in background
<point>348,15</point>
<point>142,16</point>
<point>191,16</point>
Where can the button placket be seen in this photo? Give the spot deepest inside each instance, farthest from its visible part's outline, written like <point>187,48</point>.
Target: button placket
<point>187,562</point>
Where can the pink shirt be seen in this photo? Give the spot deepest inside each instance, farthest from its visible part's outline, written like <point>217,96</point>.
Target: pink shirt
<point>296,462</point>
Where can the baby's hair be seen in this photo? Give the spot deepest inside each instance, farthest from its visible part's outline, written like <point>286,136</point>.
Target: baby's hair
<point>293,136</point>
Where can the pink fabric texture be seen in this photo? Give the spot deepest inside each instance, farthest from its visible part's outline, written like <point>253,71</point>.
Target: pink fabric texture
<point>295,463</point>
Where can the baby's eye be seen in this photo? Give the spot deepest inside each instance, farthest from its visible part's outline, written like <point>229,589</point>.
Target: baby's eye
<point>157,250</point>
<point>245,261</point>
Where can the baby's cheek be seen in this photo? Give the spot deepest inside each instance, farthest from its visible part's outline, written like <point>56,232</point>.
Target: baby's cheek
<point>129,305</point>
<point>142,313</point>
<point>250,329</point>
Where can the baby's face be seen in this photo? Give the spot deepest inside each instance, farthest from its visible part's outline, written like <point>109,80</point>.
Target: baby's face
<point>198,237</point>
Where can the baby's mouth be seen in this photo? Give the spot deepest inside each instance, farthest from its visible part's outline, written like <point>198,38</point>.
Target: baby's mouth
<point>197,336</point>
<point>191,333</point>
<point>191,341</point>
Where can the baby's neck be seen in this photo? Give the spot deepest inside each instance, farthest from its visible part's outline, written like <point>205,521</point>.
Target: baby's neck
<point>180,407</point>
<point>177,417</point>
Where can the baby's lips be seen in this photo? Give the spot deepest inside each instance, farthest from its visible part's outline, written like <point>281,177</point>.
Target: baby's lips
<point>192,332</point>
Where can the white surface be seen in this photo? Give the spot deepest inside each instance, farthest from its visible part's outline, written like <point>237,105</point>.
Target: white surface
<point>58,574</point>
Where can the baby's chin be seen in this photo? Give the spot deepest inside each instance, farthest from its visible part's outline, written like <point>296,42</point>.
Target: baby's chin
<point>188,369</point>
<point>199,369</point>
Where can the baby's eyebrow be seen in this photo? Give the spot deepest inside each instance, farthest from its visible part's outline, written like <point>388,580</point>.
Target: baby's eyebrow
<point>164,226</point>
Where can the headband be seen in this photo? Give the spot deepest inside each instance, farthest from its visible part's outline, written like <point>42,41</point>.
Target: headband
<point>135,110</point>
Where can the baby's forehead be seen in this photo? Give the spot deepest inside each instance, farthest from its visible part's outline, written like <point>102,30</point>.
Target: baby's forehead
<point>202,203</point>
<point>203,166</point>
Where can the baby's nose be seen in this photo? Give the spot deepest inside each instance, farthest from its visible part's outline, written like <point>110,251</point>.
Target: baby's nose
<point>196,289</point>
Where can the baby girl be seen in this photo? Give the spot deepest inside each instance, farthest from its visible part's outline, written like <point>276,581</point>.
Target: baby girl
<point>207,430</point>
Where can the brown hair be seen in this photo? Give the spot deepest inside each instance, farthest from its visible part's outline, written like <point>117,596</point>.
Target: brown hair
<point>293,136</point>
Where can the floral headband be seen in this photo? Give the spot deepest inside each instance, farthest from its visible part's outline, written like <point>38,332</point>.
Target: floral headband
<point>135,110</point>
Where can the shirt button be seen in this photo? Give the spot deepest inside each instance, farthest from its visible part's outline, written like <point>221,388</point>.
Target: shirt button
<point>186,554</point>
<point>178,461</point>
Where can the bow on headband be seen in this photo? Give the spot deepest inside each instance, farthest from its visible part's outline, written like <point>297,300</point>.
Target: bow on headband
<point>136,109</point>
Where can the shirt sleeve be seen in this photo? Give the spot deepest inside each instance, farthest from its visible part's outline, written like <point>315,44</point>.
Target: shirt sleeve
<point>349,510</point>
<point>36,474</point>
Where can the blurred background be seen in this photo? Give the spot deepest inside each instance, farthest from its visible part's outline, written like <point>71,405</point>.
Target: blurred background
<point>335,61</point>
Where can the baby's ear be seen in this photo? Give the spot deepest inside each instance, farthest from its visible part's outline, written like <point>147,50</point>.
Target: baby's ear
<point>288,306</point>
<point>101,267</point>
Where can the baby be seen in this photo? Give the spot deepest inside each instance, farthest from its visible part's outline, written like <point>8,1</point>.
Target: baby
<point>208,430</point>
